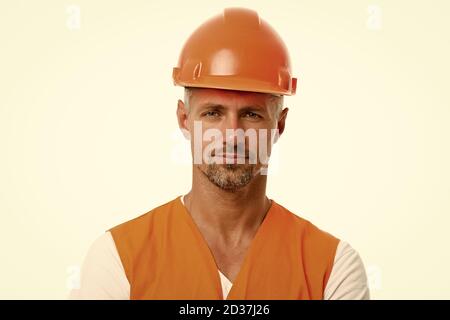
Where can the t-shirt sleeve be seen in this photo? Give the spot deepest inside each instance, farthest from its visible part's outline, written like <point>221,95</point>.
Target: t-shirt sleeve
<point>102,275</point>
<point>348,279</point>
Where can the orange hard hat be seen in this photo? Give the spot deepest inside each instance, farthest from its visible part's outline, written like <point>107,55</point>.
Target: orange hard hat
<point>236,50</point>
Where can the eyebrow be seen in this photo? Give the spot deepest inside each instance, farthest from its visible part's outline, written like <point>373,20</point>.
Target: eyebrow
<point>217,106</point>
<point>210,105</point>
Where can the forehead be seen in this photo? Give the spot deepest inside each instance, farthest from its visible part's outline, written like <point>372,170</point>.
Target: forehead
<point>227,98</point>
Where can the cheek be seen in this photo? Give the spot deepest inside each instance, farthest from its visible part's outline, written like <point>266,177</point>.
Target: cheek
<point>265,139</point>
<point>204,140</point>
<point>260,145</point>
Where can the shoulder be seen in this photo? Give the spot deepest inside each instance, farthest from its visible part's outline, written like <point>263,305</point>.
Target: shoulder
<point>346,275</point>
<point>103,245</point>
<point>306,229</point>
<point>131,237</point>
<point>101,252</point>
<point>142,223</point>
<point>102,274</point>
<point>348,279</point>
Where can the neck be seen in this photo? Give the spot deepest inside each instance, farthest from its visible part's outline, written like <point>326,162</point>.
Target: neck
<point>233,217</point>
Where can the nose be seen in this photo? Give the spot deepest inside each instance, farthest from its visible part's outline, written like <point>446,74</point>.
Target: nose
<point>234,133</point>
<point>230,128</point>
<point>232,121</point>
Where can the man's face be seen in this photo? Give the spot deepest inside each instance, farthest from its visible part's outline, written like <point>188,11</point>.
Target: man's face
<point>231,133</point>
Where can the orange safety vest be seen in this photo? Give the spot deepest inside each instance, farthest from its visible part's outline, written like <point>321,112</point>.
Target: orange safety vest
<point>166,257</point>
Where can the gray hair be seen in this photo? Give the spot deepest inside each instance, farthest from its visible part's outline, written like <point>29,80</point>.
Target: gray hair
<point>275,101</point>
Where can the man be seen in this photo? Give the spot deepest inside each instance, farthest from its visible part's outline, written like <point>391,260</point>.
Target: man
<point>226,239</point>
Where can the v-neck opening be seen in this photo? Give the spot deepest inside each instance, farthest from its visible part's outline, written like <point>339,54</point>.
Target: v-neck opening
<point>248,253</point>
<point>225,277</point>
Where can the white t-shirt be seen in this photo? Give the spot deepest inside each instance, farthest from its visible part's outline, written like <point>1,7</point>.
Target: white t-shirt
<point>103,276</point>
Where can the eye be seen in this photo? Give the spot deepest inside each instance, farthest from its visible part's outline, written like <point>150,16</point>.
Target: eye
<point>211,114</point>
<point>252,115</point>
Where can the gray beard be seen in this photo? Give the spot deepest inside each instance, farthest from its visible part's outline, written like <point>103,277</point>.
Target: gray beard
<point>229,177</point>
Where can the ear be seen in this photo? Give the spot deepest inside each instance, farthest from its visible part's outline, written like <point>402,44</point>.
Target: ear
<point>281,123</point>
<point>182,117</point>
